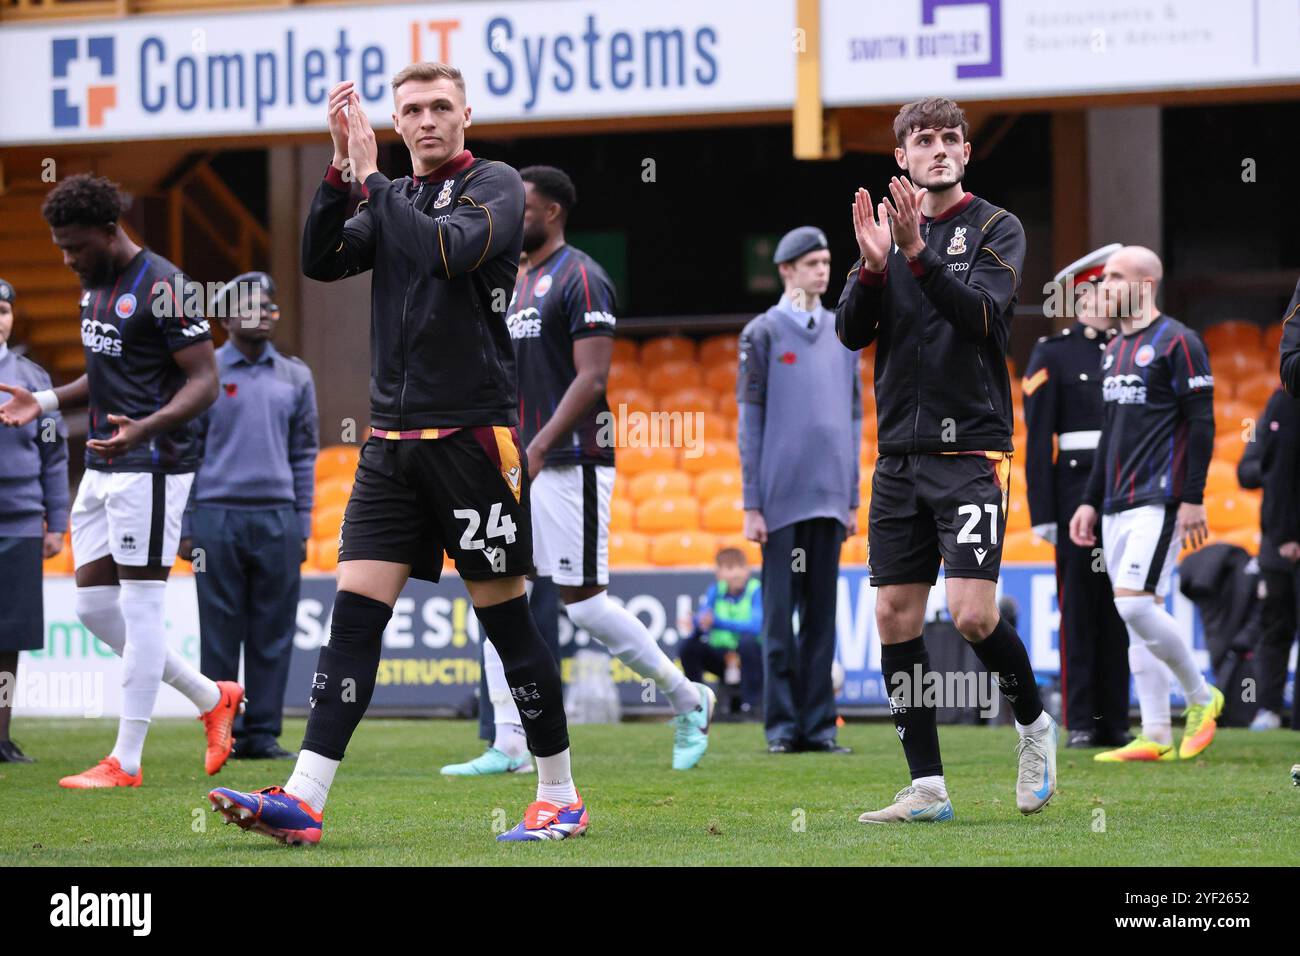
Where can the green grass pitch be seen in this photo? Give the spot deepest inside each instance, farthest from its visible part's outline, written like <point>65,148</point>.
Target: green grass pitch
<point>1233,806</point>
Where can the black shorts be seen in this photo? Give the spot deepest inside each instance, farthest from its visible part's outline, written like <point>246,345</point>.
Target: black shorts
<point>927,507</point>
<point>465,494</point>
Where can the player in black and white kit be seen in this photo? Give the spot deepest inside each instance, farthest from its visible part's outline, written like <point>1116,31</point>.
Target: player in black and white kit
<point>150,371</point>
<point>1148,480</point>
<point>935,290</point>
<point>443,470</point>
<point>562,322</point>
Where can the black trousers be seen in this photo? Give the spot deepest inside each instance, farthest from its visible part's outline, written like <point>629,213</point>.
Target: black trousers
<point>1278,618</point>
<point>544,602</point>
<point>248,598</point>
<point>698,655</point>
<point>801,572</point>
<point>1093,642</point>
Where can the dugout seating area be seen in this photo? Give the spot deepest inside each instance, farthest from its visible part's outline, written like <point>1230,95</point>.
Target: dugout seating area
<point>676,506</point>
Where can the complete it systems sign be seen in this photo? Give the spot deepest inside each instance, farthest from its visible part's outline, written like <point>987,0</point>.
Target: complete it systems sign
<point>239,73</point>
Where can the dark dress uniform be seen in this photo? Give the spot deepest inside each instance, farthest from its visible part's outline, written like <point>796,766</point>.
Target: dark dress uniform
<point>1062,389</point>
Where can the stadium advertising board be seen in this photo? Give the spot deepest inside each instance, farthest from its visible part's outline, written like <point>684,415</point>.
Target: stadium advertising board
<point>889,53</point>
<point>431,655</point>
<point>221,73</point>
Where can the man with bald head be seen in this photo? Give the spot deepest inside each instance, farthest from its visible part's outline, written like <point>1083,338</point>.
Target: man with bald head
<point>1147,481</point>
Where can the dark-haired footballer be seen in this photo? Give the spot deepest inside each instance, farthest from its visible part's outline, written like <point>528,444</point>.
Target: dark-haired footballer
<point>443,470</point>
<point>935,290</point>
<point>562,322</point>
<point>150,371</point>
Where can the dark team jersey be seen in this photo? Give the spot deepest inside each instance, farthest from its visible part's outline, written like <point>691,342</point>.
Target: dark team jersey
<point>558,301</point>
<point>1159,432</point>
<point>130,328</point>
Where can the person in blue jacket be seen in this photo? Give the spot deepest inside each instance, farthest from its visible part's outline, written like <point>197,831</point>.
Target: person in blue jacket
<point>33,518</point>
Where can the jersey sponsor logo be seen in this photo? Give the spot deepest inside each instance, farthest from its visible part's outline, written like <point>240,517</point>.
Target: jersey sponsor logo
<point>125,307</point>
<point>597,318</point>
<point>444,195</point>
<point>1200,381</point>
<point>958,266</point>
<point>543,285</point>
<point>957,244</point>
<point>1108,361</point>
<point>525,324</point>
<point>101,338</point>
<point>1144,356</point>
<point>195,329</point>
<point>1124,389</point>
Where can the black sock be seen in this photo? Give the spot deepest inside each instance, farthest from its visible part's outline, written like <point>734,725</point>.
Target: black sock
<point>917,724</point>
<point>345,673</point>
<point>1003,653</point>
<point>531,672</point>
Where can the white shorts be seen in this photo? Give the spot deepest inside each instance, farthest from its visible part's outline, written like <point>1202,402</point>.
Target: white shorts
<point>1141,548</point>
<point>570,505</point>
<point>133,515</point>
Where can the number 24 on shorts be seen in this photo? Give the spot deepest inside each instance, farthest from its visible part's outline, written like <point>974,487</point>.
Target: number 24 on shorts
<point>498,526</point>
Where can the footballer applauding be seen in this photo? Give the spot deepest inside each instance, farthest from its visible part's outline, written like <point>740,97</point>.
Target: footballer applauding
<point>443,470</point>
<point>935,289</point>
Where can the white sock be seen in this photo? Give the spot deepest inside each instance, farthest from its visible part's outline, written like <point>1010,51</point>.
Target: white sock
<point>1152,680</point>
<point>100,610</point>
<point>628,640</point>
<point>933,784</point>
<point>510,738</point>
<point>1159,631</point>
<point>129,745</point>
<point>312,777</point>
<point>142,666</point>
<point>1039,724</point>
<point>555,779</point>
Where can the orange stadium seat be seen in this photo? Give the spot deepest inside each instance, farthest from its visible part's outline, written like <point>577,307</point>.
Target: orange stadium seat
<point>718,348</point>
<point>333,493</point>
<point>61,563</point>
<point>309,560</point>
<point>327,553</point>
<point>752,551</point>
<point>684,548</point>
<point>325,521</point>
<point>718,428</point>
<point>1232,511</point>
<point>693,398</point>
<point>717,481</point>
<point>1222,478</point>
<point>713,455</point>
<point>672,375</point>
<point>1256,391</point>
<point>640,458</point>
<point>628,549</point>
<point>1023,546</point>
<point>621,514</point>
<point>1231,334</point>
<point>636,399</point>
<point>864,486</point>
<point>854,550</point>
<point>182,568</point>
<point>625,350</point>
<point>1234,365</point>
<point>658,484</point>
<point>1017,512</point>
<point>723,514</point>
<point>670,513</point>
<point>721,378</point>
<point>1233,417</point>
<point>667,348</point>
<point>1229,447</point>
<point>624,375</point>
<point>1248,538</point>
<point>337,461</point>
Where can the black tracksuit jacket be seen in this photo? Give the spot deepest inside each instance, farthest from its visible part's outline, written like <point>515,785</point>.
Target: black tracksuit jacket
<point>941,324</point>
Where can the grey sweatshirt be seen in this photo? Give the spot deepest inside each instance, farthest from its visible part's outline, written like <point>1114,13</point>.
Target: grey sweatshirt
<point>33,473</point>
<point>800,427</point>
